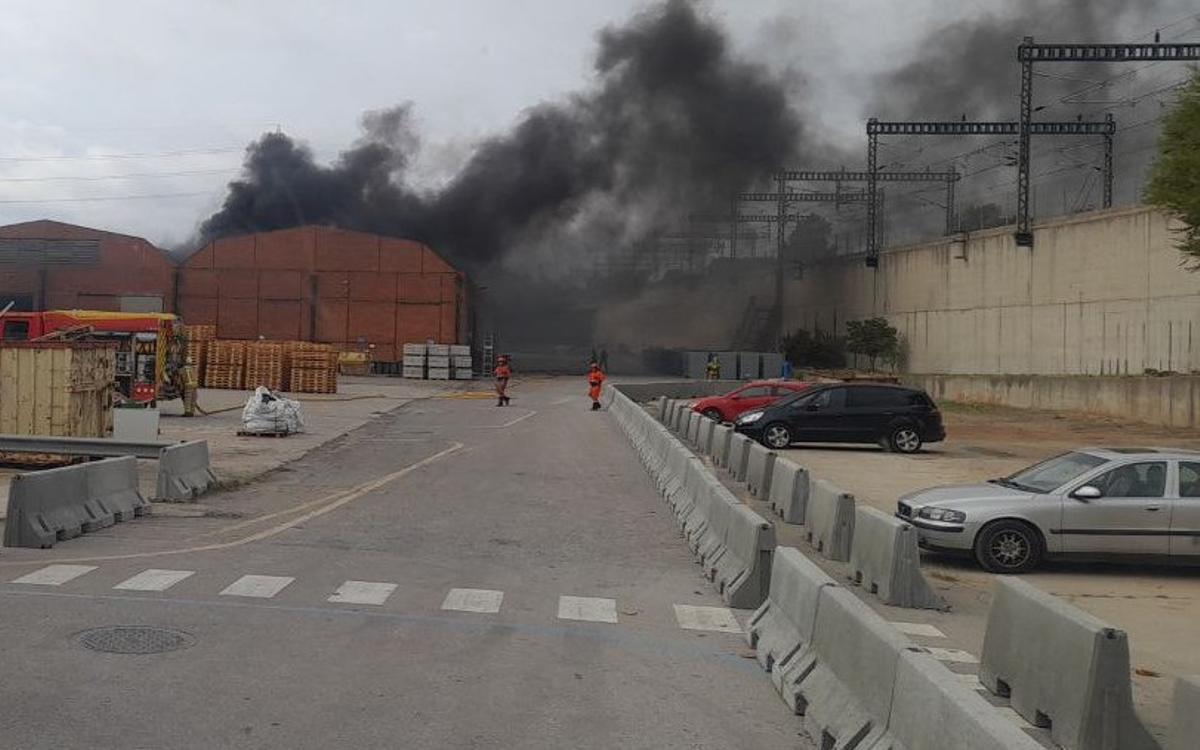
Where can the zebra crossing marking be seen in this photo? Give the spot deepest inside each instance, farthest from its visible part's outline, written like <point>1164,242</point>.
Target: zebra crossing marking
<point>55,575</point>
<point>257,587</point>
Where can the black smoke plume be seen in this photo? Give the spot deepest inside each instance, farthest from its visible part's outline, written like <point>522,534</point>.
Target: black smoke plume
<point>674,125</point>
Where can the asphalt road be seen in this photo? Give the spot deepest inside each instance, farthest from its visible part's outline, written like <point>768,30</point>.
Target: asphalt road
<point>500,578</point>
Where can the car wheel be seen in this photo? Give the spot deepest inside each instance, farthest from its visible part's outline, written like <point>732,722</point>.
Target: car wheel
<point>905,439</point>
<point>1008,547</point>
<point>712,414</point>
<point>777,436</point>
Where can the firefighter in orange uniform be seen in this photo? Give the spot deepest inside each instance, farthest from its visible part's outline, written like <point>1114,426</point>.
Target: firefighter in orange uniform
<point>503,373</point>
<point>595,382</point>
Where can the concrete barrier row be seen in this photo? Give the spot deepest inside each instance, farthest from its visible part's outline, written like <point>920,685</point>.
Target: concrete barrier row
<point>855,679</point>
<point>885,560</point>
<point>788,495</point>
<point>1063,669</point>
<point>45,507</point>
<point>731,542</point>
<point>705,436</point>
<point>882,551</point>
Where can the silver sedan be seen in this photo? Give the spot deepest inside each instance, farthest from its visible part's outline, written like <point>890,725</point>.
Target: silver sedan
<point>1092,502</point>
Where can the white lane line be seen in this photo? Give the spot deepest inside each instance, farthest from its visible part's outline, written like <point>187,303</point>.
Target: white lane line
<point>564,400</point>
<point>1016,718</point>
<point>720,619</point>
<point>587,608</point>
<point>154,579</point>
<point>258,587</point>
<point>55,575</point>
<point>518,419</point>
<point>362,592</point>
<point>955,655</point>
<point>918,628</point>
<point>473,600</point>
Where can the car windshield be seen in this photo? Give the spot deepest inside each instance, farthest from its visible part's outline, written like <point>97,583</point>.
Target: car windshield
<point>1052,473</point>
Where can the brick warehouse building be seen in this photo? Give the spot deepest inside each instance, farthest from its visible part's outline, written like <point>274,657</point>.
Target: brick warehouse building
<point>324,284</point>
<point>46,265</point>
<point>307,283</point>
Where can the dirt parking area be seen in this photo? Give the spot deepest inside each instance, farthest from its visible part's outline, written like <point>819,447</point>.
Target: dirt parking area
<point>1159,606</point>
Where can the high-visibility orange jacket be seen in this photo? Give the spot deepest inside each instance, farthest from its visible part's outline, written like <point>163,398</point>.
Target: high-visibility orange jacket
<point>595,381</point>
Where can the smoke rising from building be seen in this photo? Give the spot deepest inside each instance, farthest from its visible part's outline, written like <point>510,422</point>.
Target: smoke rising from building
<point>674,123</point>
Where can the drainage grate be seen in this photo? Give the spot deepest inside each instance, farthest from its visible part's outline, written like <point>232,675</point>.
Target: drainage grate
<point>135,639</point>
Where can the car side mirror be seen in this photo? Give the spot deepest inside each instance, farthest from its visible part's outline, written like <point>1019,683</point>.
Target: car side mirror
<point>1087,492</point>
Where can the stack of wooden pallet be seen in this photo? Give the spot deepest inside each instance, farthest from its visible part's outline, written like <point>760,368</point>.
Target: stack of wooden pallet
<point>225,364</point>
<point>266,363</point>
<point>314,368</point>
<point>197,345</point>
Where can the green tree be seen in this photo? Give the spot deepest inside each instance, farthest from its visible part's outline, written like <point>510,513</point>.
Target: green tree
<point>873,338</point>
<point>1175,179</point>
<point>818,350</point>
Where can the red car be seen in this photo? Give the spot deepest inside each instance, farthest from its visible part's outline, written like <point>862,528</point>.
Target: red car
<point>753,395</point>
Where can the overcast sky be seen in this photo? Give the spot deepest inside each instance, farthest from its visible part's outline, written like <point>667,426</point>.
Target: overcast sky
<point>112,99</point>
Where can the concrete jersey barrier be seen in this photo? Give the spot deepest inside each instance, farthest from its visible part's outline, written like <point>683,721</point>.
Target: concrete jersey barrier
<point>1185,715</point>
<point>184,472</point>
<point>885,560</point>
<point>759,467</point>
<point>932,709</point>
<point>788,496</point>
<point>829,520</point>
<point>719,449</point>
<point>45,507</point>
<point>693,427</point>
<point>705,436</point>
<point>739,454</point>
<point>842,683</point>
<point>1062,668</point>
<point>743,573</point>
<point>787,619</point>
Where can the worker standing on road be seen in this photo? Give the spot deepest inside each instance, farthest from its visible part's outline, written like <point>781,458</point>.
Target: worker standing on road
<point>503,373</point>
<point>189,385</point>
<point>595,382</point>
<point>713,370</point>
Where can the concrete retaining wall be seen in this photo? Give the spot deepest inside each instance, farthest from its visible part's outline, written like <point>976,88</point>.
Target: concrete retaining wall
<point>1172,401</point>
<point>1098,294</point>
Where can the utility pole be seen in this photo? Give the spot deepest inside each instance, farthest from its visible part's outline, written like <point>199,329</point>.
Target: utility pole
<point>1028,53</point>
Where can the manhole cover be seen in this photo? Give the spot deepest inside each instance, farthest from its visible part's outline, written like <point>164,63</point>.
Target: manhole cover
<point>135,639</point>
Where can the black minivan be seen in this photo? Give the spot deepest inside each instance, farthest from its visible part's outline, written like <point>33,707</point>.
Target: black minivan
<point>897,417</point>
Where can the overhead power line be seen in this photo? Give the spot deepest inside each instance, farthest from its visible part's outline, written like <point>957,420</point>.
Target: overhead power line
<point>146,155</point>
<point>94,199</point>
<point>128,176</point>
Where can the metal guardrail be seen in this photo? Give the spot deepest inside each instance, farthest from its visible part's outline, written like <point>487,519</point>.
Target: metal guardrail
<point>77,446</point>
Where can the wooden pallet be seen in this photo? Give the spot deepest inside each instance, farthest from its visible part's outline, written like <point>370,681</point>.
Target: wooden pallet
<point>260,433</point>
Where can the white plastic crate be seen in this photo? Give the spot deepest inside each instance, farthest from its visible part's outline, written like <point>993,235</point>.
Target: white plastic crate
<point>438,362</point>
<point>414,373</point>
<point>414,349</point>
<point>463,375</point>
<point>439,350</point>
<point>414,360</point>
<point>439,373</point>
<point>460,350</point>
<point>462,363</point>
